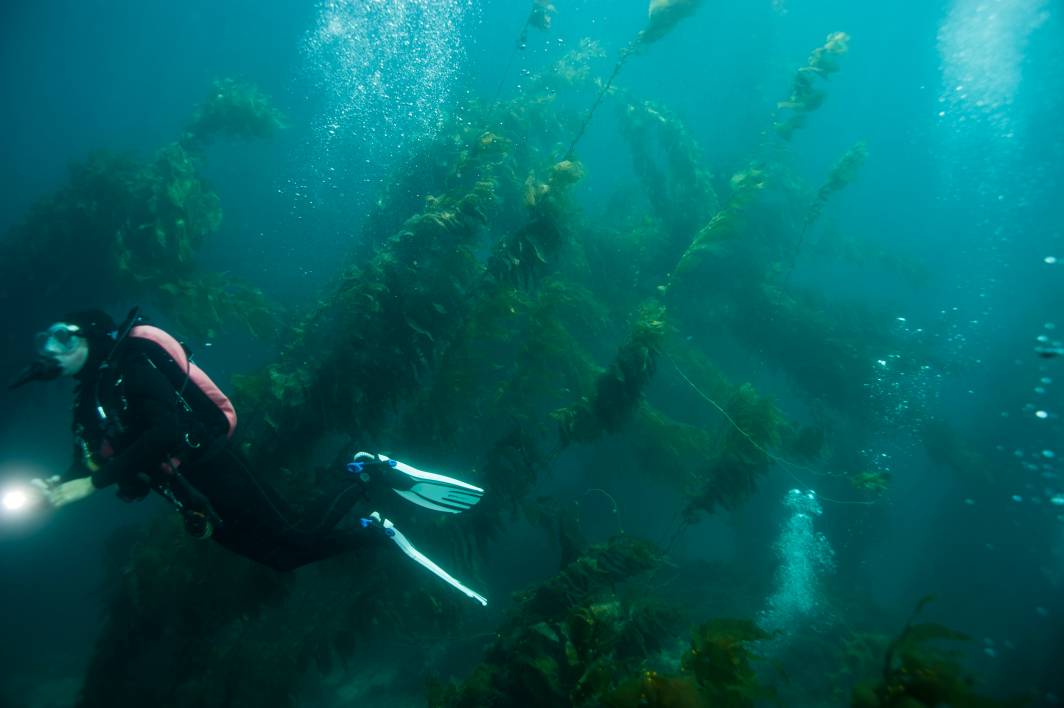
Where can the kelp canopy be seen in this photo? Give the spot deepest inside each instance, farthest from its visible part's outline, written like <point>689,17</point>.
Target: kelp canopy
<point>494,327</point>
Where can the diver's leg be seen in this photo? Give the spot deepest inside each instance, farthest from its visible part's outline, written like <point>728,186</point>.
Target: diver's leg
<point>259,524</point>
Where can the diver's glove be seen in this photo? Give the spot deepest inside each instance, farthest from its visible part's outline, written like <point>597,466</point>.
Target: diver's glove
<point>427,489</point>
<point>58,494</point>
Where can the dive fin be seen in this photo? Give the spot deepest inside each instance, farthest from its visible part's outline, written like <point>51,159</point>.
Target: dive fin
<point>400,540</point>
<point>428,489</point>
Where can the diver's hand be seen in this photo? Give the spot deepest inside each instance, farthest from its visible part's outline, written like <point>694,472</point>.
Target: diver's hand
<point>59,494</point>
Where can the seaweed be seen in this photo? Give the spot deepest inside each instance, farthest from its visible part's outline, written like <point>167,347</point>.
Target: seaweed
<point>233,109</point>
<point>619,389</point>
<point>717,670</point>
<point>470,312</point>
<point>732,476</point>
<point>806,96</point>
<point>842,174</point>
<point>132,229</point>
<point>571,640</point>
<point>723,663</point>
<point>667,161</point>
<point>917,671</point>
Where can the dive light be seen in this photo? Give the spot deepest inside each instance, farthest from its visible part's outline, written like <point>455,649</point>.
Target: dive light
<point>19,499</point>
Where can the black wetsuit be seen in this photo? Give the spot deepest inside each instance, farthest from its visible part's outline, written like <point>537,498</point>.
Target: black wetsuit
<point>139,412</point>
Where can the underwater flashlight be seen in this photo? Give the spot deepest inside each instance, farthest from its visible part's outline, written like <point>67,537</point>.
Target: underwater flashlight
<point>16,500</point>
<point>19,500</point>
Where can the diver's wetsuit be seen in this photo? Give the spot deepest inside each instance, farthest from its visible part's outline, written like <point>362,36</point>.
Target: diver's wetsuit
<point>145,426</point>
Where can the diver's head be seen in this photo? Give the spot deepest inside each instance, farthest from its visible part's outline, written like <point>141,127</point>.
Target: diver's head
<point>74,346</point>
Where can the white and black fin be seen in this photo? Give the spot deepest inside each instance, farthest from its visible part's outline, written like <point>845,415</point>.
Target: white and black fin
<point>434,491</point>
<point>377,521</point>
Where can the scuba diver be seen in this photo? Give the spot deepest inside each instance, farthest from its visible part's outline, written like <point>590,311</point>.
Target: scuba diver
<point>148,419</point>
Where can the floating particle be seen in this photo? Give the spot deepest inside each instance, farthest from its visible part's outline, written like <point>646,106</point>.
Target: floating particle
<point>1048,454</point>
<point>1042,415</point>
<point>900,319</point>
<point>991,652</point>
<point>969,501</point>
<point>1050,260</point>
<point>1057,500</point>
<point>1042,339</point>
<point>1050,325</point>
<point>1039,390</point>
<point>1042,612</point>
<point>1045,380</point>
<point>1017,498</point>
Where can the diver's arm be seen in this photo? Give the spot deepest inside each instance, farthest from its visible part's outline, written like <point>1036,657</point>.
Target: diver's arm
<point>59,494</point>
<point>77,470</point>
<point>151,399</point>
<point>142,457</point>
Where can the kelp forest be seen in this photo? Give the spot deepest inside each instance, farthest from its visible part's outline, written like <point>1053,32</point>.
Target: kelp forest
<point>486,322</point>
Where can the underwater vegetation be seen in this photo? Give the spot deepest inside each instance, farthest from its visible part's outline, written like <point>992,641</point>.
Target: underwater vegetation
<point>233,109</point>
<point>806,94</point>
<point>842,173</point>
<point>484,321</point>
<point>583,639</point>
<point>917,671</point>
<point>567,641</point>
<point>130,229</point>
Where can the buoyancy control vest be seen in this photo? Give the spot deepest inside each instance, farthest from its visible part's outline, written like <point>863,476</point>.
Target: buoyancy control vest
<point>202,412</point>
<point>190,382</point>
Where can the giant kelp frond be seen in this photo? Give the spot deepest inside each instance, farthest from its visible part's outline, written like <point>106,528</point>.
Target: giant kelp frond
<point>570,640</point>
<point>722,662</point>
<point>669,164</point>
<point>535,247</point>
<point>232,109</point>
<point>131,229</point>
<point>806,94</point>
<point>719,669</point>
<point>619,389</point>
<point>743,458</point>
<point>918,671</point>
<point>599,569</point>
<point>842,173</point>
<point>202,305</point>
<point>711,254</point>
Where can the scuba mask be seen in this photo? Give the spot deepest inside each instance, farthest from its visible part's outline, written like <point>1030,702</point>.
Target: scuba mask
<point>62,350</point>
<point>59,340</point>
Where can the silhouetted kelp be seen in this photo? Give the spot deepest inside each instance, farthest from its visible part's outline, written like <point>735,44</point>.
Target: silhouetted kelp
<point>918,671</point>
